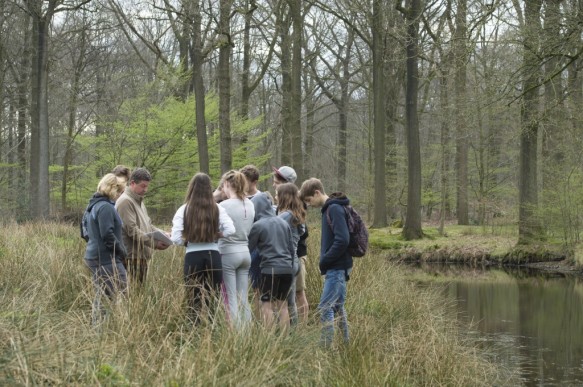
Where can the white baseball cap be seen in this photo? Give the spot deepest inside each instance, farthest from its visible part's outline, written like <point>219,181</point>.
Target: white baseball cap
<point>286,173</point>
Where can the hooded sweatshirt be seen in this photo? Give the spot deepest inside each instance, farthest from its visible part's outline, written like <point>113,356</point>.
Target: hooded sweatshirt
<point>105,231</point>
<point>297,232</point>
<point>335,237</point>
<point>272,237</point>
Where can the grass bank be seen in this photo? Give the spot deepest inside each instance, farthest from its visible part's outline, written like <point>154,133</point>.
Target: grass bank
<point>400,334</point>
<point>475,245</point>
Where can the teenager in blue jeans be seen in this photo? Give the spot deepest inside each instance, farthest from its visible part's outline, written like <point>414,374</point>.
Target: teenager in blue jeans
<point>335,261</point>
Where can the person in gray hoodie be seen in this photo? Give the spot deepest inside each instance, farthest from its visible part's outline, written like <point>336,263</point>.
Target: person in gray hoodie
<point>105,250</point>
<point>272,236</point>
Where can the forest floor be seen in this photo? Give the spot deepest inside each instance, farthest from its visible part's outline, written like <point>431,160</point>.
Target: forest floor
<point>477,246</point>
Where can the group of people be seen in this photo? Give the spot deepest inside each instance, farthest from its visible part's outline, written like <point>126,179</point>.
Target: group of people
<point>234,236</point>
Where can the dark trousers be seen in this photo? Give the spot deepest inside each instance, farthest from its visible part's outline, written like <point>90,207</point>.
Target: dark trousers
<point>109,281</point>
<point>203,275</point>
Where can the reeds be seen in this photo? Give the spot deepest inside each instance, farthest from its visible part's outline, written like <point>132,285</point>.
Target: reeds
<point>399,334</point>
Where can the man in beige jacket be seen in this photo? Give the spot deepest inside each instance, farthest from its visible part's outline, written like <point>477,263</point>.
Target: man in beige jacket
<point>136,226</point>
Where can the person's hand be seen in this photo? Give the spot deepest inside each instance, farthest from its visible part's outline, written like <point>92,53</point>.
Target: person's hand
<point>161,245</point>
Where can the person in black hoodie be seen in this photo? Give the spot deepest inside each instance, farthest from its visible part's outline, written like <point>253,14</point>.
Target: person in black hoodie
<point>105,250</point>
<point>335,261</point>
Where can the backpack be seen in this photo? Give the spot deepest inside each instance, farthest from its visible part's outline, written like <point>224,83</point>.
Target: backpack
<point>357,229</point>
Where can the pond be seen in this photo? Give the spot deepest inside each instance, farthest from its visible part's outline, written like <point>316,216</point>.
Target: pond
<point>529,321</point>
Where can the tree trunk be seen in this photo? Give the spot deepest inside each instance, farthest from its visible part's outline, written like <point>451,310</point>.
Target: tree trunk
<point>23,203</point>
<point>39,159</point>
<point>224,81</point>
<point>412,228</point>
<point>245,89</point>
<point>379,117</point>
<point>296,88</point>
<point>444,140</point>
<point>286,90</point>
<point>462,129</point>
<point>528,223</point>
<point>343,113</point>
<point>199,92</point>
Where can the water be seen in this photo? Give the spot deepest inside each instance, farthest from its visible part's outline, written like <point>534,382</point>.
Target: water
<point>530,322</point>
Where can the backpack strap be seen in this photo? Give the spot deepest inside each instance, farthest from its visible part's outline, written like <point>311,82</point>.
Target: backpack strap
<point>329,220</point>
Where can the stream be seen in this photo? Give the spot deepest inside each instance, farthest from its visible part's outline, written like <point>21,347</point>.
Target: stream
<point>531,322</point>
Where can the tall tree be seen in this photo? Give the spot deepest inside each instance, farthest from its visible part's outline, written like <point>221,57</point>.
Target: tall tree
<point>529,227</point>
<point>224,80</point>
<point>412,228</point>
<point>297,23</point>
<point>197,57</point>
<point>461,122</point>
<point>379,116</point>
<point>291,67</point>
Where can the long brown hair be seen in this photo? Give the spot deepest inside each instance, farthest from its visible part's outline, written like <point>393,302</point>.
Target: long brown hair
<point>201,215</point>
<point>288,199</point>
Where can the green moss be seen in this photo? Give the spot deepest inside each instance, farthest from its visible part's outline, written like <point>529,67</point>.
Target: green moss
<point>472,244</point>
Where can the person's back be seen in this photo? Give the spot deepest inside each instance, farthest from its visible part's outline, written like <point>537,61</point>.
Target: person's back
<point>234,249</point>
<point>272,237</point>
<point>242,212</point>
<point>335,236</point>
<point>104,229</point>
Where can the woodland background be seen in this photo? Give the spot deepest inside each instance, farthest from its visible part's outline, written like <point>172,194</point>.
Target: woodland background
<point>452,110</point>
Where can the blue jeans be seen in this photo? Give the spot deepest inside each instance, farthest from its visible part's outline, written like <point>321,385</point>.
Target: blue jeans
<point>332,305</point>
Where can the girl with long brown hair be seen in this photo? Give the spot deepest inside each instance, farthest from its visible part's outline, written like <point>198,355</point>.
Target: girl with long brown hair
<point>291,209</point>
<point>198,224</point>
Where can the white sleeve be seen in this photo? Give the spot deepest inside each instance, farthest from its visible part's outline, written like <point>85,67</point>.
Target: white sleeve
<point>225,222</point>
<point>178,226</point>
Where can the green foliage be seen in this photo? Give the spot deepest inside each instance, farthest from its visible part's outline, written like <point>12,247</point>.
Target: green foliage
<point>562,210</point>
<point>109,376</point>
<point>161,136</point>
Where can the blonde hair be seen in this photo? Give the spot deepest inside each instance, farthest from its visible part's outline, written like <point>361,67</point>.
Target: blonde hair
<point>111,186</point>
<point>237,182</point>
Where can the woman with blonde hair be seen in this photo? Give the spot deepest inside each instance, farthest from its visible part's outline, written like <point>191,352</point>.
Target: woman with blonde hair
<point>234,249</point>
<point>198,224</point>
<point>105,250</point>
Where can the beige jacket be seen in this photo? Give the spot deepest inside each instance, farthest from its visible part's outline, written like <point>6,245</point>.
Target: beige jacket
<point>136,224</point>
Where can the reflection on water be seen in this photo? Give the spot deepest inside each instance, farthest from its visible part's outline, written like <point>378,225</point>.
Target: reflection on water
<point>531,323</point>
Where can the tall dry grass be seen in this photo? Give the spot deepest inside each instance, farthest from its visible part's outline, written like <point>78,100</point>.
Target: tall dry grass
<point>399,333</point>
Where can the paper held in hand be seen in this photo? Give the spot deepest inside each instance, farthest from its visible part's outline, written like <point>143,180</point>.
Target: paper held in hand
<point>160,236</point>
